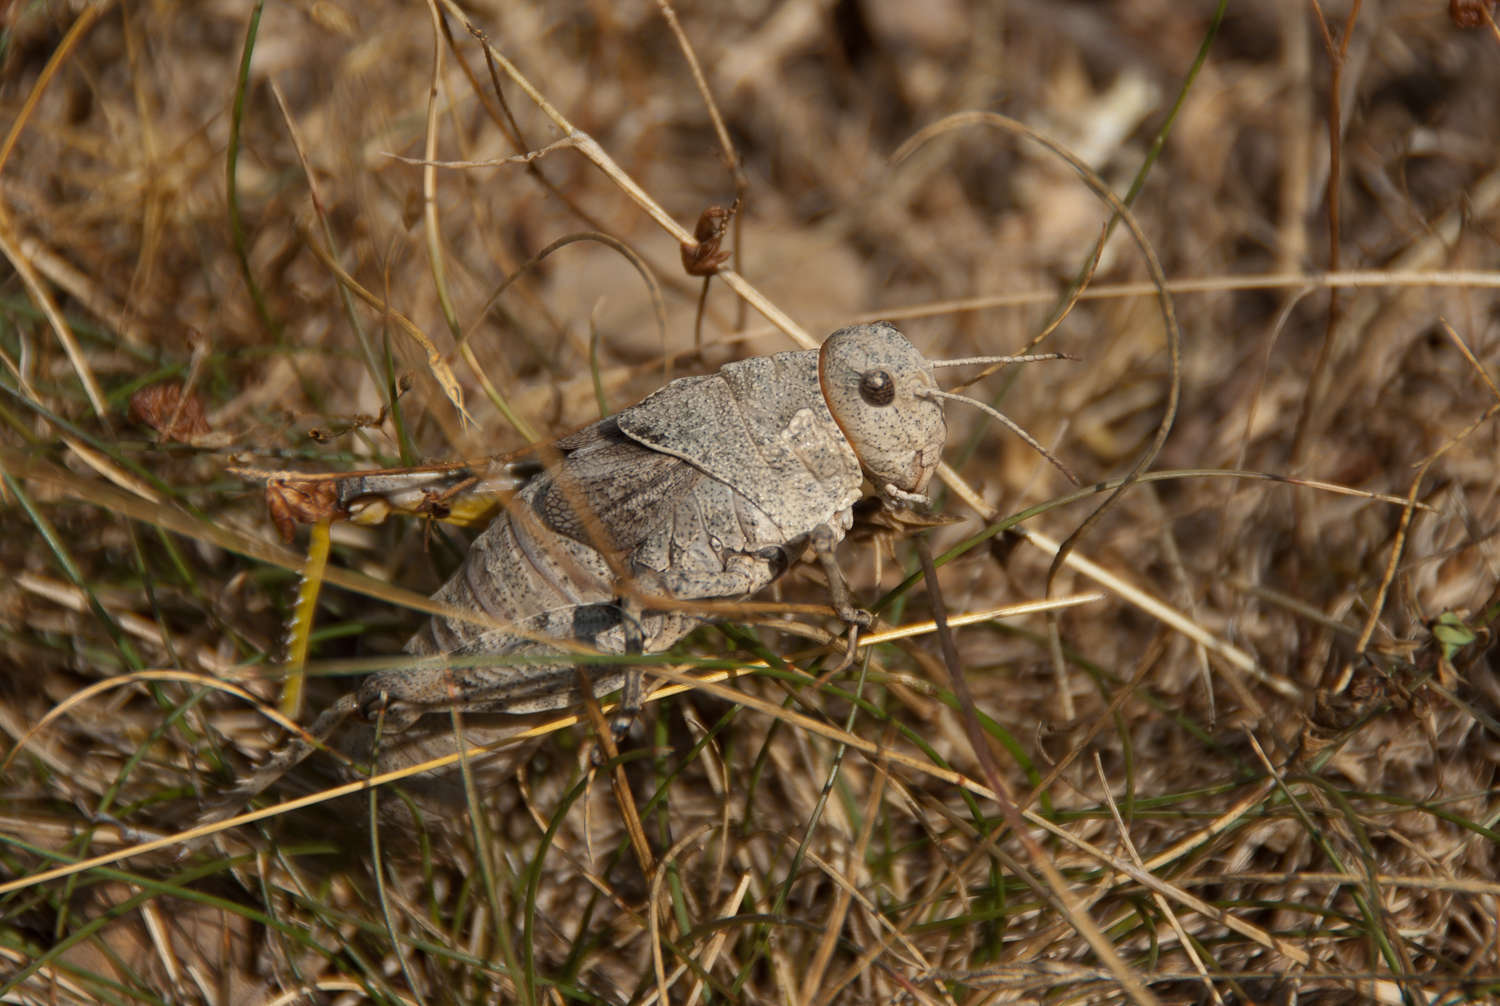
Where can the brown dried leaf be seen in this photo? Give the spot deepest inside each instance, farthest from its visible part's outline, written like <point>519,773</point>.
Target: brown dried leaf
<point>703,256</point>
<point>163,408</point>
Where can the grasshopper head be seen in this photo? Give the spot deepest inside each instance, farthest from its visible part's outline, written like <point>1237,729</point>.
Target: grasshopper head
<point>875,384</point>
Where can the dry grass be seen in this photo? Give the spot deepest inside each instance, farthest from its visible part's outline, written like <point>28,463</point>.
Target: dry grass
<point>1299,803</point>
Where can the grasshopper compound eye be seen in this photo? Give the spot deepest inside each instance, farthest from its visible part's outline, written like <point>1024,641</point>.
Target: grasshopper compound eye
<point>877,388</point>
<point>876,385</point>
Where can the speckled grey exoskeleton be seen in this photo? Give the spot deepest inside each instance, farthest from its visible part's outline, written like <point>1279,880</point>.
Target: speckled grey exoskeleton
<point>710,488</point>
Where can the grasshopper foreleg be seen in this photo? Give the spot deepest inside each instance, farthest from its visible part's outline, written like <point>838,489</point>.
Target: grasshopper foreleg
<point>824,542</point>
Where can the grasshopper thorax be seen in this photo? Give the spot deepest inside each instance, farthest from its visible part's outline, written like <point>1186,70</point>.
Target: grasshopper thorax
<point>877,387</point>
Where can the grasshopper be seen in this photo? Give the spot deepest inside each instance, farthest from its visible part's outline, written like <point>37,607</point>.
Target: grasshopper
<point>708,489</point>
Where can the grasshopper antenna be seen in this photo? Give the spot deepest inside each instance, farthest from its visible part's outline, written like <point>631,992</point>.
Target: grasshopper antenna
<point>966,361</point>
<point>1009,423</point>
